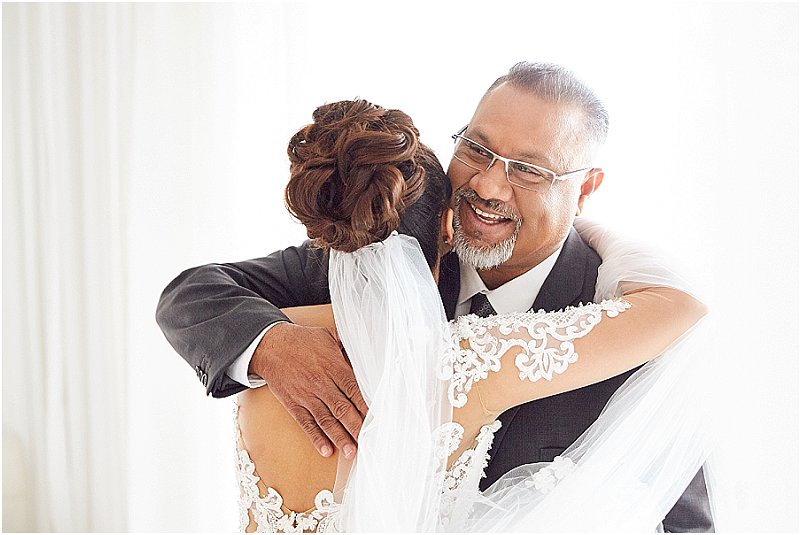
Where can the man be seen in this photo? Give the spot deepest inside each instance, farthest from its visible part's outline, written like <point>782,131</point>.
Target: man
<point>521,172</point>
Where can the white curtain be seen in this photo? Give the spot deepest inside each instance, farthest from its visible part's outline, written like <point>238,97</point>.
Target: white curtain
<point>142,139</point>
<point>66,123</point>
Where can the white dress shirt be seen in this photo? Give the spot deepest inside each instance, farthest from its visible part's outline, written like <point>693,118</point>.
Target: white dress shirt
<point>517,295</point>
<point>238,371</point>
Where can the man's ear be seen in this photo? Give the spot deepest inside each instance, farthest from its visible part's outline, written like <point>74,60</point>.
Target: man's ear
<point>446,231</point>
<point>595,177</point>
<point>445,239</point>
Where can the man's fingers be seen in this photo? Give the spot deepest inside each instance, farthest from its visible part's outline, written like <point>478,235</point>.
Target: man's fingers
<point>344,411</point>
<point>350,387</point>
<point>332,427</point>
<point>323,396</point>
<point>358,401</point>
<point>310,427</point>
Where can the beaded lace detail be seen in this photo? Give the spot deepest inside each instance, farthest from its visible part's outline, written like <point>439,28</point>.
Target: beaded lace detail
<point>456,475</point>
<point>465,473</point>
<point>545,349</point>
<point>547,477</point>
<point>268,510</point>
<point>447,438</point>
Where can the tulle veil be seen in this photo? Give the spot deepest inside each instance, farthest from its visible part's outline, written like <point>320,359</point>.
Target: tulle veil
<point>629,467</point>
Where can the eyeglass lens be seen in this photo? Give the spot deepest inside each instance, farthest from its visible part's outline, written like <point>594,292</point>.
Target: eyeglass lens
<point>480,158</point>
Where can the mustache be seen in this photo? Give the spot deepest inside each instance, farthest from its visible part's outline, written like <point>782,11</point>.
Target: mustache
<point>468,194</point>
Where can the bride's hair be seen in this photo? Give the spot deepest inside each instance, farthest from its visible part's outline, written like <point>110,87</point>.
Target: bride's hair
<point>359,172</point>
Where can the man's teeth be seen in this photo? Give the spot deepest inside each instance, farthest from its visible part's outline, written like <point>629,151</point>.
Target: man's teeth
<point>486,215</point>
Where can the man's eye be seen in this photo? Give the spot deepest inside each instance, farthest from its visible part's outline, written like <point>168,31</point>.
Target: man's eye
<point>479,150</point>
<point>523,168</point>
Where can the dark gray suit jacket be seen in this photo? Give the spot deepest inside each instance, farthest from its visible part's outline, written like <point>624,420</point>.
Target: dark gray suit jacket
<point>210,315</point>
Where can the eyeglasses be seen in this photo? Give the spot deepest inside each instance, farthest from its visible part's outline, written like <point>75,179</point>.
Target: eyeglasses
<point>522,174</point>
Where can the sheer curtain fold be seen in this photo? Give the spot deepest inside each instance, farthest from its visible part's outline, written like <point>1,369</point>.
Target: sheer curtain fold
<point>66,106</point>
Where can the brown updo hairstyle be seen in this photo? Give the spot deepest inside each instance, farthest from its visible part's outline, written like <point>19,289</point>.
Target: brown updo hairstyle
<point>359,172</point>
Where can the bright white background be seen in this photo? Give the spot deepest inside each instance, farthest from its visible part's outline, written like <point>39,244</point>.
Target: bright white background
<point>179,117</point>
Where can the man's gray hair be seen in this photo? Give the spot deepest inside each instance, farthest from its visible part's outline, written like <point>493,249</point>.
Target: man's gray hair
<point>555,83</point>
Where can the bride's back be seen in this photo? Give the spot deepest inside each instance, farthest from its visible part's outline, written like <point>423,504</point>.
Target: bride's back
<point>284,457</point>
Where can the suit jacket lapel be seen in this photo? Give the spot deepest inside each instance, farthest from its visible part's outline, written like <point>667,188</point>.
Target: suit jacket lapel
<point>565,282</point>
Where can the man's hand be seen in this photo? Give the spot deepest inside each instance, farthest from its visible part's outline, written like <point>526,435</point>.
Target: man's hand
<point>308,373</point>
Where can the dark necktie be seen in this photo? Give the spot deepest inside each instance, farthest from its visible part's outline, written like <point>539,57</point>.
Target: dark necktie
<point>480,306</point>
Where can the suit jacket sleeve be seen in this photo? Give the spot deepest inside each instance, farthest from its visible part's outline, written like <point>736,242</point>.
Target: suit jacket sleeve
<point>692,513</point>
<point>210,314</point>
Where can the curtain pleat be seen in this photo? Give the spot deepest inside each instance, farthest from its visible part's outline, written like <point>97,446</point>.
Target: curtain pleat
<point>67,76</point>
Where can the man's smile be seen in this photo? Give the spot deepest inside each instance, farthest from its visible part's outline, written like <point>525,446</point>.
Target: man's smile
<point>488,225</point>
<point>487,217</point>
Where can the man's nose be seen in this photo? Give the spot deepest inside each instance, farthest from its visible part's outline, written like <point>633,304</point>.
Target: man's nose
<point>492,183</point>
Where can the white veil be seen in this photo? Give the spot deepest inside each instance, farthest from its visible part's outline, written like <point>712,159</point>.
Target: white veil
<point>391,321</point>
<point>628,468</point>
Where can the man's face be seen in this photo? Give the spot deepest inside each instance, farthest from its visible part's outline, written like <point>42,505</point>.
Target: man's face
<point>496,222</point>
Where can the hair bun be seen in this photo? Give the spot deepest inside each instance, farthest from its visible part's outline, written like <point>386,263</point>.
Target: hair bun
<point>354,171</point>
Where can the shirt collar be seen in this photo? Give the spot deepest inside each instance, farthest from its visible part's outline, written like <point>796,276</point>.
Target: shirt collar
<point>517,295</point>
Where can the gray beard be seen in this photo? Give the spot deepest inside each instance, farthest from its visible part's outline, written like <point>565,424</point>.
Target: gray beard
<point>486,257</point>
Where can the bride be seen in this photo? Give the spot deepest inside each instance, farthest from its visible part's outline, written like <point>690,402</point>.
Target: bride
<point>435,389</point>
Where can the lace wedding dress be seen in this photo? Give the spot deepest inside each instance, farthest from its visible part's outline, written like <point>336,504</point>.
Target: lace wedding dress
<point>460,368</point>
<point>415,369</point>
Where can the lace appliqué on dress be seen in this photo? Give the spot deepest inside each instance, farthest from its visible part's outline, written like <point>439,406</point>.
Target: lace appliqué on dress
<point>459,470</point>
<point>463,476</point>
<point>447,438</point>
<point>547,477</point>
<point>545,349</point>
<point>268,511</point>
